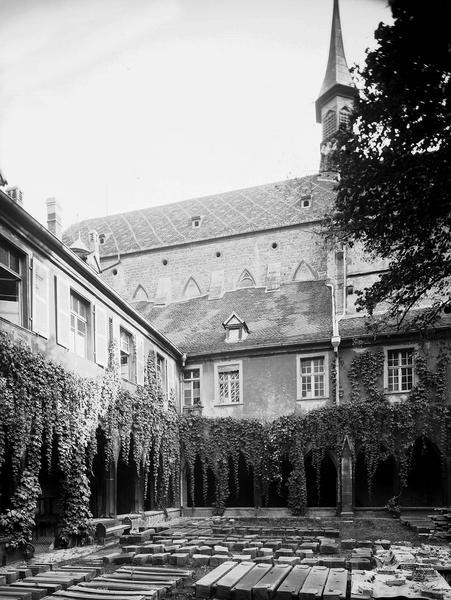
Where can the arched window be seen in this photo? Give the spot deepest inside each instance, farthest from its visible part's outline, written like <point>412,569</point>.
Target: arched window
<point>246,280</point>
<point>329,124</point>
<point>344,117</point>
<point>304,272</point>
<point>191,290</point>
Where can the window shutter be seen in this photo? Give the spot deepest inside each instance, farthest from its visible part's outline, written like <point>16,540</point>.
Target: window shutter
<point>62,312</point>
<point>101,336</point>
<point>40,298</point>
<point>139,359</point>
<point>171,379</point>
<point>117,338</point>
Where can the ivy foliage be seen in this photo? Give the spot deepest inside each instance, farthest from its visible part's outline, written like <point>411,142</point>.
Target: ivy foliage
<point>49,412</point>
<point>376,427</point>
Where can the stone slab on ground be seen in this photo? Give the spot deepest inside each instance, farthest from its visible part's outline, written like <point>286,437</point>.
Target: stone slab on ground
<point>290,587</point>
<point>314,584</point>
<point>36,593</point>
<point>200,560</point>
<point>265,588</point>
<point>288,560</point>
<point>90,596</point>
<point>113,594</point>
<point>230,579</point>
<point>23,594</point>
<point>336,584</point>
<point>204,586</point>
<point>50,584</point>
<point>243,589</point>
<point>332,562</point>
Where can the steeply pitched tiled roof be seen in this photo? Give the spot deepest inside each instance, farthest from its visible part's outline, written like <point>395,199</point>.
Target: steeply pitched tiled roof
<point>296,313</point>
<point>240,211</point>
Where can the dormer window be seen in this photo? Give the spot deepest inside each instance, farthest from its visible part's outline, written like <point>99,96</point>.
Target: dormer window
<point>306,201</point>
<point>236,329</point>
<point>196,222</point>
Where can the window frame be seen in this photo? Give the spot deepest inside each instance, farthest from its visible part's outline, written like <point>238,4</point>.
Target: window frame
<point>191,368</point>
<point>131,355</point>
<point>398,348</point>
<point>89,324</point>
<point>24,284</point>
<point>164,378</point>
<point>228,364</point>
<point>311,356</point>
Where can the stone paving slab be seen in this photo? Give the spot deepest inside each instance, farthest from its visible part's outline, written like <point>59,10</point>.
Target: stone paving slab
<point>37,590</point>
<point>265,588</point>
<point>243,589</point>
<point>292,584</point>
<point>336,584</point>
<point>204,586</point>
<point>230,579</point>
<point>314,584</point>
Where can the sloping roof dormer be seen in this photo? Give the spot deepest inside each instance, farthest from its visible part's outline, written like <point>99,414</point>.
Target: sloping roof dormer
<point>236,329</point>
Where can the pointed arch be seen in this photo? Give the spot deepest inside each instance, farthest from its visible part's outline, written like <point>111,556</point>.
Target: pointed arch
<point>304,272</point>
<point>140,294</point>
<point>329,124</point>
<point>191,289</point>
<point>246,280</point>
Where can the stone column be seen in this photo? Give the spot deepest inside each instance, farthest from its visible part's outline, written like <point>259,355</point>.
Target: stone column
<point>111,490</point>
<point>347,480</point>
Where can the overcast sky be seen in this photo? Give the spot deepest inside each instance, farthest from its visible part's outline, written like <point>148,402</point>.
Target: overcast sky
<point>113,105</point>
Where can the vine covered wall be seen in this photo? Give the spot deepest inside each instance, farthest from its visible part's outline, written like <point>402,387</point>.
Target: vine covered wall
<point>50,412</point>
<point>376,427</point>
<point>50,419</point>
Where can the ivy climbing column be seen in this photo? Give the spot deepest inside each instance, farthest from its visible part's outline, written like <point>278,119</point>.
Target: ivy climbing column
<point>346,480</point>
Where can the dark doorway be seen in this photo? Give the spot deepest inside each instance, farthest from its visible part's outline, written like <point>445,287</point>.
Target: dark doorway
<point>97,479</point>
<point>7,484</point>
<point>244,495</point>
<point>126,486</point>
<point>200,499</point>
<point>326,495</point>
<point>278,492</point>
<point>49,507</point>
<point>424,482</point>
<point>383,485</point>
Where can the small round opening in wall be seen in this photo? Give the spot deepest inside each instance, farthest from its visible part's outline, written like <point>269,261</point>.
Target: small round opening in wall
<point>114,271</point>
<point>218,254</point>
<point>274,245</point>
<point>165,261</point>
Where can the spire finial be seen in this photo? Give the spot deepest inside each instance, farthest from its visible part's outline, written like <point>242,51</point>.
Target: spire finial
<point>337,71</point>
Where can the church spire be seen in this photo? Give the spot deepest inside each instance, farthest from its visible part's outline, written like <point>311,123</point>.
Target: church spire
<point>334,104</point>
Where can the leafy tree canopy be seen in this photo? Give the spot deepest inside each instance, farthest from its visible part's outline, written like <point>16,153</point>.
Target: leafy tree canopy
<point>394,163</point>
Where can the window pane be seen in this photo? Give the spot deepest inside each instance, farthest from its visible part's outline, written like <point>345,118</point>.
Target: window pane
<point>9,297</point>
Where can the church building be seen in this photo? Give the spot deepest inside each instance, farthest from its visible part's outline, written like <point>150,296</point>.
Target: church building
<point>243,283</point>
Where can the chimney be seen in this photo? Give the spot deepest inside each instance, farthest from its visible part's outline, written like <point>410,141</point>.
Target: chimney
<point>94,244</point>
<point>54,217</point>
<point>15,193</point>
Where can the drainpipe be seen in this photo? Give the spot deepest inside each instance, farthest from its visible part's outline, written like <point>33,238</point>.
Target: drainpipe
<point>335,341</point>
<point>182,479</point>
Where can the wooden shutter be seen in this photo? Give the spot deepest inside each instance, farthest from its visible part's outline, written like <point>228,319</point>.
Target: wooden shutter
<point>101,336</point>
<point>139,359</point>
<point>40,298</point>
<point>171,381</point>
<point>117,337</point>
<point>62,311</point>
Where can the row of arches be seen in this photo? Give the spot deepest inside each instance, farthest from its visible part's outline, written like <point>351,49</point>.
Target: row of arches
<point>424,484</point>
<point>191,289</point>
